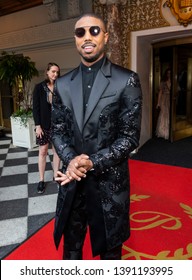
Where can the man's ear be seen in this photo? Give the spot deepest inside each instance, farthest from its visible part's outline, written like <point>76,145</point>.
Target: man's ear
<point>106,37</point>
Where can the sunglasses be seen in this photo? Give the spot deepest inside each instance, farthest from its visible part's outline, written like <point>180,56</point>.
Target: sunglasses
<point>93,30</point>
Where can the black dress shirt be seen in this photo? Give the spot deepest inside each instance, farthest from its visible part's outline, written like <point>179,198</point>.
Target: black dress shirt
<point>89,73</point>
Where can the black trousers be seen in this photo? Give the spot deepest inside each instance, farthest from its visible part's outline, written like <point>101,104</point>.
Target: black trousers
<point>113,254</point>
<point>75,232</point>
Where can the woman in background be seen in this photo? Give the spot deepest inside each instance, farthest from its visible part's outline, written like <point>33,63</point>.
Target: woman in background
<point>163,104</point>
<point>42,100</point>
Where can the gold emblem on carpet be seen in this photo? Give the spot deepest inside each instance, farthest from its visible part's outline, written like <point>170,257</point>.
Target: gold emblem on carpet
<point>161,232</point>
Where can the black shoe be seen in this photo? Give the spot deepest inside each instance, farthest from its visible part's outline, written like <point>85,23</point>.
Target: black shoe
<point>41,187</point>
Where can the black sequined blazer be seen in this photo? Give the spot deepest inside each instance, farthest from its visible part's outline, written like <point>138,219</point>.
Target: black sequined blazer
<point>108,132</point>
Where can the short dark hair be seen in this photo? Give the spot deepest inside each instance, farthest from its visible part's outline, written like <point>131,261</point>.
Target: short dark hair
<point>94,16</point>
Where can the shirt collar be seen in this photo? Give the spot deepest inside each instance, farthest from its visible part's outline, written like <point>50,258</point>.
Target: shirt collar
<point>94,67</point>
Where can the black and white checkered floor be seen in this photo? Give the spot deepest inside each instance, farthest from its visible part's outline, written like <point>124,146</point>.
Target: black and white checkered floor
<point>22,210</point>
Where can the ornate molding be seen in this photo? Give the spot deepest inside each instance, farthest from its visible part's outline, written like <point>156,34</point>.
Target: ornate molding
<point>73,7</point>
<point>114,26</point>
<point>135,15</point>
<point>53,9</point>
<point>110,2</point>
<point>181,9</point>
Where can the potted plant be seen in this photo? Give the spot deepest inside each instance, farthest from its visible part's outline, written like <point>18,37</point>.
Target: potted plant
<point>17,71</point>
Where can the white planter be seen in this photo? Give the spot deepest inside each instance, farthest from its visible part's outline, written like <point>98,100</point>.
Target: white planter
<point>23,136</point>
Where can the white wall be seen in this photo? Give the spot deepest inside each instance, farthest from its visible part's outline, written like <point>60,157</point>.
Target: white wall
<point>27,18</point>
<point>29,32</point>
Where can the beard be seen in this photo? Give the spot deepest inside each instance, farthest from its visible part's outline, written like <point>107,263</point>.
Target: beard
<point>90,58</point>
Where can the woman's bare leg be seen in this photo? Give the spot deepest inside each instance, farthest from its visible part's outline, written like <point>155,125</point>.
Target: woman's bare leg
<point>56,163</point>
<point>42,160</point>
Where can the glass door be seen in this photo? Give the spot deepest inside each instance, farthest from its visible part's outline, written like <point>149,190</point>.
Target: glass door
<point>181,121</point>
<point>162,60</point>
<point>179,59</point>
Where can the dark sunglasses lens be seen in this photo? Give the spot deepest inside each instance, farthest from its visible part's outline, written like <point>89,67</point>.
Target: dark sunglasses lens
<point>79,32</point>
<point>94,30</point>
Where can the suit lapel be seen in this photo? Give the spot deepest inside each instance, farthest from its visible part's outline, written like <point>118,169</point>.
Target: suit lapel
<point>77,99</point>
<point>99,86</point>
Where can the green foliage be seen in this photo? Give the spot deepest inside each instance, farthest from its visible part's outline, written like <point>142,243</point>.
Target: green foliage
<point>17,71</point>
<point>15,68</point>
<point>23,115</point>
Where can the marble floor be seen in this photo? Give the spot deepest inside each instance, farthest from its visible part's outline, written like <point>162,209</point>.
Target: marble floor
<point>22,210</point>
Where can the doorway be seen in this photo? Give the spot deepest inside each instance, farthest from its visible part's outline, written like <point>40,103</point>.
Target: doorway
<point>7,105</point>
<point>141,61</point>
<point>179,59</point>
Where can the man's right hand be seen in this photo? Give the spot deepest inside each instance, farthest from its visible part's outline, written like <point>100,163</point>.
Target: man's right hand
<point>78,167</point>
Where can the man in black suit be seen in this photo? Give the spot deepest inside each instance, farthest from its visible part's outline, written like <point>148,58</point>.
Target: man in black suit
<point>96,118</point>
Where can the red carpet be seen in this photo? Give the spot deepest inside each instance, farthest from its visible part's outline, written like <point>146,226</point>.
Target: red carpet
<point>161,218</point>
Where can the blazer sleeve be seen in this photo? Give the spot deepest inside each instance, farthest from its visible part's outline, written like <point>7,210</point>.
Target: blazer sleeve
<point>62,134</point>
<point>129,126</point>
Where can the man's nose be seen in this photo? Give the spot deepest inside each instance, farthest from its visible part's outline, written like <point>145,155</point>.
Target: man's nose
<point>87,35</point>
